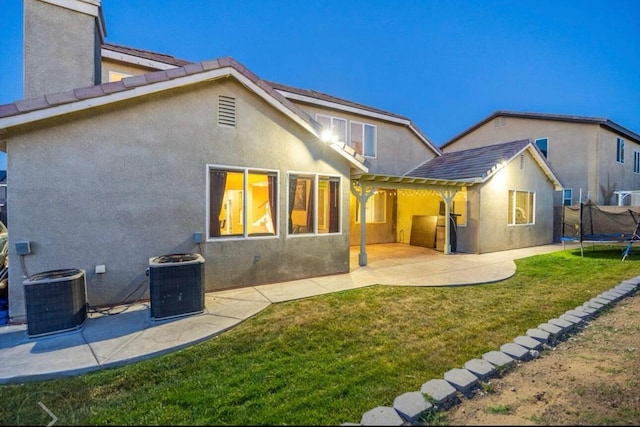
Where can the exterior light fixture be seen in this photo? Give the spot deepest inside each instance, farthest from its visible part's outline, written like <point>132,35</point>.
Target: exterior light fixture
<point>328,136</point>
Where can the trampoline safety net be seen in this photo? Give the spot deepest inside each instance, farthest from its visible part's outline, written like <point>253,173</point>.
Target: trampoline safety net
<point>589,222</point>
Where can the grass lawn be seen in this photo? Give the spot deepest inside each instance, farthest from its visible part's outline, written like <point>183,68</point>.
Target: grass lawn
<point>325,360</point>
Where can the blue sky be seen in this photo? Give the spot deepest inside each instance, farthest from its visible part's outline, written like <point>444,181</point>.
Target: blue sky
<point>444,64</point>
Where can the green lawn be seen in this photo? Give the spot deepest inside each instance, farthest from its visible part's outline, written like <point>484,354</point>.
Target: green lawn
<point>328,359</point>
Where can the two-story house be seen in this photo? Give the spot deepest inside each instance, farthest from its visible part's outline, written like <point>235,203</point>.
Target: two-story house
<point>594,157</point>
<point>118,155</point>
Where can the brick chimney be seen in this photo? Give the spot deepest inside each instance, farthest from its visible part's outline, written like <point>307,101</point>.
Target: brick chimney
<point>62,44</point>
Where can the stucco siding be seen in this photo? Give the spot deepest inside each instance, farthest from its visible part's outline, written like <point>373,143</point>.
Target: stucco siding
<point>495,234</point>
<point>117,185</point>
<point>613,174</point>
<point>59,49</point>
<point>583,155</point>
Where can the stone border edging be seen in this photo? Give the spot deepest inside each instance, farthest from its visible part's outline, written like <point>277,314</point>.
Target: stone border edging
<point>443,394</point>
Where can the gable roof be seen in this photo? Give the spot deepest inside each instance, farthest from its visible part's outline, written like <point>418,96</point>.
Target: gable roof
<point>312,97</point>
<point>480,164</point>
<point>57,104</point>
<point>162,62</point>
<point>145,58</point>
<point>606,123</point>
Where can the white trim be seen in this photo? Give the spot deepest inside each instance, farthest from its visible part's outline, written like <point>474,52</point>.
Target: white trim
<point>136,60</point>
<point>148,88</point>
<point>89,7</point>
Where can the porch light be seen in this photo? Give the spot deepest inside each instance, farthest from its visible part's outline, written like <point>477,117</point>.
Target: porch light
<point>328,136</point>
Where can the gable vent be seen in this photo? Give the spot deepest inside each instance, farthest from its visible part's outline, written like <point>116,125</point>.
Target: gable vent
<point>226,111</point>
<point>521,161</point>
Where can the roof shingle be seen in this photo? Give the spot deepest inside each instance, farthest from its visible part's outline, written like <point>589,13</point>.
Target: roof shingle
<point>467,164</point>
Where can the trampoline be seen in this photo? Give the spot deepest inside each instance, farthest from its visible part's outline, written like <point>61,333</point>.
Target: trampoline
<point>590,223</point>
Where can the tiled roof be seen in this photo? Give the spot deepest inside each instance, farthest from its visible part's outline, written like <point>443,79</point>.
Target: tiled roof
<point>320,96</point>
<point>330,98</point>
<point>475,163</point>
<point>604,122</point>
<point>50,102</point>
<point>146,54</point>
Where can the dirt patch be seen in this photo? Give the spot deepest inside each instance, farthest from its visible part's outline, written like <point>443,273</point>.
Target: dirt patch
<point>591,378</point>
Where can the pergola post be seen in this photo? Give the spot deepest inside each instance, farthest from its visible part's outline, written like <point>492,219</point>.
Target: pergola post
<point>448,196</point>
<point>362,196</point>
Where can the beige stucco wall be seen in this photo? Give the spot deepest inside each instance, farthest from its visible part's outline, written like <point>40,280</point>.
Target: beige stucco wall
<point>60,49</point>
<point>583,155</point>
<point>119,184</point>
<point>487,229</point>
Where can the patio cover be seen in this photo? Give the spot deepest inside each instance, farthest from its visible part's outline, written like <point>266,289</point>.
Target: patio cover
<point>363,185</point>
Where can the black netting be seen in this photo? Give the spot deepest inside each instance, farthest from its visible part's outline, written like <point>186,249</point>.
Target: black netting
<point>589,222</point>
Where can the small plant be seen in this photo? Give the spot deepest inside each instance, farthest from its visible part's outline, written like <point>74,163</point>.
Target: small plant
<point>488,388</point>
<point>434,417</point>
<point>499,410</point>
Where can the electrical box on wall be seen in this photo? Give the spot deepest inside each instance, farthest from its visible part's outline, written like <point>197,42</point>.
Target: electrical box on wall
<point>197,237</point>
<point>23,247</point>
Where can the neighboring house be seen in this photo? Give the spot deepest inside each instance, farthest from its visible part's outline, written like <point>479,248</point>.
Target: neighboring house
<point>594,157</point>
<point>268,182</point>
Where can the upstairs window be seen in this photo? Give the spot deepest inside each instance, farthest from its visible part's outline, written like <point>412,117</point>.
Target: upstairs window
<point>543,145</point>
<point>500,122</point>
<point>335,126</point>
<point>620,150</point>
<point>521,207</point>
<point>636,161</point>
<point>567,197</point>
<point>363,139</point>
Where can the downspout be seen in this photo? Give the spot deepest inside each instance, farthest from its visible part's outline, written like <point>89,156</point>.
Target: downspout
<point>362,197</point>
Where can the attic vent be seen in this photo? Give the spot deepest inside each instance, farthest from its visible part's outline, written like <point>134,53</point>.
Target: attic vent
<point>226,111</point>
<point>521,161</point>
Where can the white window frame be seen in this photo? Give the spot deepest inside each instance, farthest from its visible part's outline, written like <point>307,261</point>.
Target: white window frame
<point>567,195</point>
<point>243,218</point>
<point>636,161</point>
<point>316,180</point>
<point>620,150</point>
<point>544,152</point>
<point>334,123</point>
<point>514,209</point>
<point>370,152</point>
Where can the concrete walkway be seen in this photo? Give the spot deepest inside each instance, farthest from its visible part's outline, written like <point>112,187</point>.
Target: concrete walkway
<point>128,334</point>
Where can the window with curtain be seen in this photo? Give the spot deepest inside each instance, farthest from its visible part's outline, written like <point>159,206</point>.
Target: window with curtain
<point>242,202</point>
<point>314,204</point>
<point>521,207</point>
